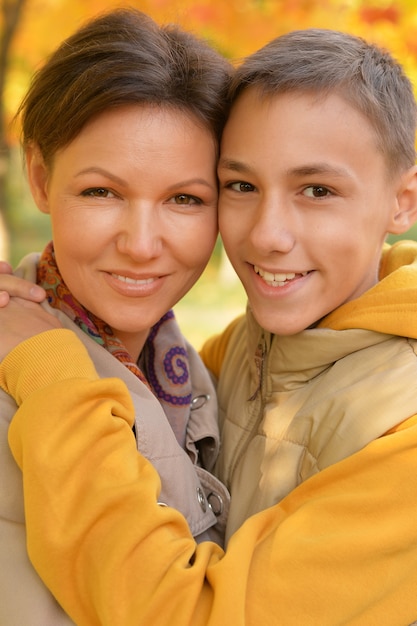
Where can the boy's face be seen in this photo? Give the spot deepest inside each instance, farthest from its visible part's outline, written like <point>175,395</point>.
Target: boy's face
<point>305,205</point>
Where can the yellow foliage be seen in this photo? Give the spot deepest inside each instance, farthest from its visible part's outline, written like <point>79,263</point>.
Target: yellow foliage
<point>235,27</point>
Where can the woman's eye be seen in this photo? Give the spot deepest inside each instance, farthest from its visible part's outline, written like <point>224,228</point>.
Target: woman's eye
<point>241,187</point>
<point>317,191</point>
<point>185,198</point>
<point>97,192</point>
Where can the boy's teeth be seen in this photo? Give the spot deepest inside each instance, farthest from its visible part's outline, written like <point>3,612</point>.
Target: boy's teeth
<point>276,279</point>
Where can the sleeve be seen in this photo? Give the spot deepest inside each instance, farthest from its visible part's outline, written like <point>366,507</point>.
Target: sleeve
<point>65,357</point>
<point>341,548</point>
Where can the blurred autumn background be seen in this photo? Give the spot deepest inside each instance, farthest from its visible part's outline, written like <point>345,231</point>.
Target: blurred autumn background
<point>31,29</point>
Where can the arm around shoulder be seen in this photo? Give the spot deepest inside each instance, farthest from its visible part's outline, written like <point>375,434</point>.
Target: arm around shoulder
<point>43,354</point>
<point>341,548</point>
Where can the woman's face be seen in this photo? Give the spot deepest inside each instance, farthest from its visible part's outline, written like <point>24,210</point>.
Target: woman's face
<point>133,205</point>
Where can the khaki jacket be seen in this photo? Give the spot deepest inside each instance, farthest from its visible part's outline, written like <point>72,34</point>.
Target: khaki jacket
<point>293,406</point>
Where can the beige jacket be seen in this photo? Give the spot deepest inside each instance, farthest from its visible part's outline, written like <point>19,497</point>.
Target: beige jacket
<point>292,406</point>
<point>186,485</point>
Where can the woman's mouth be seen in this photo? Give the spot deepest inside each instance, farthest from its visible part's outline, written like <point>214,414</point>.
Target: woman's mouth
<point>133,281</point>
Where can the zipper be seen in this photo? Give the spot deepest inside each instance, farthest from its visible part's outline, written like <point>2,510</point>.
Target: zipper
<point>259,367</point>
<point>256,408</point>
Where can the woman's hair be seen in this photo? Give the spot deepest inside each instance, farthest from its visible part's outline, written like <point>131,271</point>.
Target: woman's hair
<point>119,58</point>
<point>325,62</point>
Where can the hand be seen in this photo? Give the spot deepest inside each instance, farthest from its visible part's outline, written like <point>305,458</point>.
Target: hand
<point>13,286</point>
<point>21,320</point>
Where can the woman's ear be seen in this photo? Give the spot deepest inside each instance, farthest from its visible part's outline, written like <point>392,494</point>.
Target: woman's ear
<point>38,177</point>
<point>405,213</point>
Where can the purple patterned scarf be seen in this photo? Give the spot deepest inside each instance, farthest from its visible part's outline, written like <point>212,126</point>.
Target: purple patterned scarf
<point>164,357</point>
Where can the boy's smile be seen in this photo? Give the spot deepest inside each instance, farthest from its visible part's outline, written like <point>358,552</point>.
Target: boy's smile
<point>306,201</point>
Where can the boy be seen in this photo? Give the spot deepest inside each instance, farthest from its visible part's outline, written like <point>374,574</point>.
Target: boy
<point>316,167</point>
<point>317,385</point>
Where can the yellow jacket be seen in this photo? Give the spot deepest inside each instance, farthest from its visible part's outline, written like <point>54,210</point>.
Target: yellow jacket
<point>340,548</point>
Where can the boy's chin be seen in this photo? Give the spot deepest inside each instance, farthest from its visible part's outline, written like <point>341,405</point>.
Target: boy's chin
<point>282,324</point>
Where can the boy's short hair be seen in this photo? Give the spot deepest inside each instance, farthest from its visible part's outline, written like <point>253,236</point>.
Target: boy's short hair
<point>326,61</point>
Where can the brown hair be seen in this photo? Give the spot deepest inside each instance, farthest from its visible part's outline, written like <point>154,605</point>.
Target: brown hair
<point>122,57</point>
<point>326,61</point>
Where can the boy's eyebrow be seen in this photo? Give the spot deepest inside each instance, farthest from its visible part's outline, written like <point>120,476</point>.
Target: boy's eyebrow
<point>310,169</point>
<point>319,168</point>
<point>234,166</point>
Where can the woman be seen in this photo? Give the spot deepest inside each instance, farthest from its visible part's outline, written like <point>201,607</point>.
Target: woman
<point>120,133</point>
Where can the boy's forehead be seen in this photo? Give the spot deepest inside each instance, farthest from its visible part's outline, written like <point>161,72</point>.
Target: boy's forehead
<point>310,110</point>
<point>258,101</point>
<point>296,129</point>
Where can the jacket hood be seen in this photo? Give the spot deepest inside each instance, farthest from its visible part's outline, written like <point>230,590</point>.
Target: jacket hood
<point>391,305</point>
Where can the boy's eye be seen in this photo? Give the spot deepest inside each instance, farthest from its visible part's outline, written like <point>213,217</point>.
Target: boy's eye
<point>185,198</point>
<point>317,191</point>
<point>242,187</point>
<point>97,192</point>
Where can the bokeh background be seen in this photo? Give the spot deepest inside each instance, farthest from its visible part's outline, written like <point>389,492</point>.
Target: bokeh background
<point>31,29</point>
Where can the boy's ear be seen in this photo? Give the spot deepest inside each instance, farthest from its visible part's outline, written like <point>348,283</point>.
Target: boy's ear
<point>405,213</point>
<point>38,177</point>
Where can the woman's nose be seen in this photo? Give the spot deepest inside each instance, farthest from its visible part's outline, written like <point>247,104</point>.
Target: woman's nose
<point>140,234</point>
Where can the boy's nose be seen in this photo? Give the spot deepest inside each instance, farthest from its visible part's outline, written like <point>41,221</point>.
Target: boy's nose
<point>272,230</point>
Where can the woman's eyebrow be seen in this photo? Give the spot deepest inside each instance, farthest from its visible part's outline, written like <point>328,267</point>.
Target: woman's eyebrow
<point>102,172</point>
<point>192,181</point>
